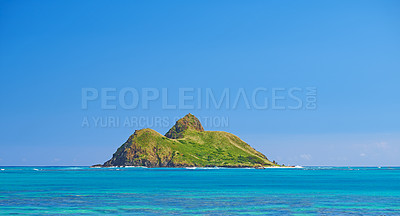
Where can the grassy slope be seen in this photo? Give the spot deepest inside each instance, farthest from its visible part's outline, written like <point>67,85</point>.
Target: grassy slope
<point>196,148</point>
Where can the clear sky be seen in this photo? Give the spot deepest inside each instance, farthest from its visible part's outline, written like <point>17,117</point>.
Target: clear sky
<point>349,51</point>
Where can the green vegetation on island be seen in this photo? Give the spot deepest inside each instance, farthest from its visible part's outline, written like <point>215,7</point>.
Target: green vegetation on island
<point>186,144</point>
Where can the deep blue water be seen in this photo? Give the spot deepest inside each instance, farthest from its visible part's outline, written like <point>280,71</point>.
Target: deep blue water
<point>142,191</point>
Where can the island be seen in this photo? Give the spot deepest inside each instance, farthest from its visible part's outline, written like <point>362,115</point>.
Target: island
<point>186,144</point>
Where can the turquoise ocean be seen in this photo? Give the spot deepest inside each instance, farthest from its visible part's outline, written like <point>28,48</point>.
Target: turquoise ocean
<point>180,191</point>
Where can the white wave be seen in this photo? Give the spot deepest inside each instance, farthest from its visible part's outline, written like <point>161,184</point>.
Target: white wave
<point>278,167</point>
<point>211,167</point>
<point>134,167</point>
<point>73,168</point>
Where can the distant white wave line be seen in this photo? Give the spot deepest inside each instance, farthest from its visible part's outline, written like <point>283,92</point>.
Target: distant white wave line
<point>278,167</point>
<point>269,167</point>
<point>113,167</point>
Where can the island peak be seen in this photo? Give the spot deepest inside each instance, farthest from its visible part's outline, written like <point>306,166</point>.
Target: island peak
<point>188,122</point>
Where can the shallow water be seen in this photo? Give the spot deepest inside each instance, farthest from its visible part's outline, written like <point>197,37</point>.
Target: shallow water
<point>142,191</point>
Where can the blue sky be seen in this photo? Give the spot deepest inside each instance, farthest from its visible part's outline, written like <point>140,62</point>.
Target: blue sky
<point>348,50</point>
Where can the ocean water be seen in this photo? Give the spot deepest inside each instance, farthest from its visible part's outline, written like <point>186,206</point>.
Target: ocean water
<point>169,191</point>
